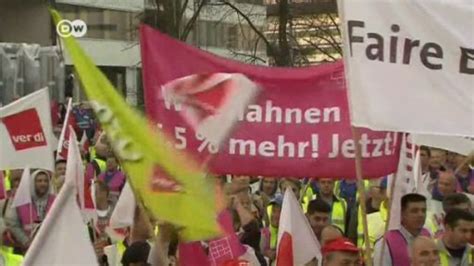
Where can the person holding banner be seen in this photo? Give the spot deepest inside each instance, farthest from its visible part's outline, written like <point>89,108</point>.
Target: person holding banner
<point>25,220</point>
<point>392,249</point>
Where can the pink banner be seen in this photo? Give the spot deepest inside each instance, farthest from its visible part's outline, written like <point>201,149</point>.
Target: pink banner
<point>299,127</point>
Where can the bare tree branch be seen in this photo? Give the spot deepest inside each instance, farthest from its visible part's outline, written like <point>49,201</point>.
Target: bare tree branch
<point>254,57</point>
<point>190,24</point>
<point>183,8</point>
<point>335,24</point>
<point>323,51</point>
<point>254,28</point>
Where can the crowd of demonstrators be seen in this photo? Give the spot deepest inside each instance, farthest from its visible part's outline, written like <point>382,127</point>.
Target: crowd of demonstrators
<point>436,227</point>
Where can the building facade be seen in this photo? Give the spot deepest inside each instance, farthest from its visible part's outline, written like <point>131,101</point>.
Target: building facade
<point>112,34</point>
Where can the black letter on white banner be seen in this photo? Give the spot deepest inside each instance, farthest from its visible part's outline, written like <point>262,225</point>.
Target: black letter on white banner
<point>431,50</point>
<point>466,56</point>
<point>350,25</point>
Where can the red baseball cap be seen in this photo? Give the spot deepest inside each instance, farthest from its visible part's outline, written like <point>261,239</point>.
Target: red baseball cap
<point>339,244</point>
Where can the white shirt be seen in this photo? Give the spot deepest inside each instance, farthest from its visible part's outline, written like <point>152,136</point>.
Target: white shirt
<point>385,258</point>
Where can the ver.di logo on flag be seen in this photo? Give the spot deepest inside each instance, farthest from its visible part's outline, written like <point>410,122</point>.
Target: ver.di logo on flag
<point>25,130</point>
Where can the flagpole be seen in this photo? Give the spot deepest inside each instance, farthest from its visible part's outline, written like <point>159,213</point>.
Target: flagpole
<point>389,214</point>
<point>361,190</point>
<point>31,219</point>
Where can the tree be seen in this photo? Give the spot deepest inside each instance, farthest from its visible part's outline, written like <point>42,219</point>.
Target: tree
<point>298,34</point>
<point>298,31</point>
<point>170,16</point>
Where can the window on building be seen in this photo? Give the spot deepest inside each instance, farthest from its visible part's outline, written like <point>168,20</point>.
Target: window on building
<point>232,37</point>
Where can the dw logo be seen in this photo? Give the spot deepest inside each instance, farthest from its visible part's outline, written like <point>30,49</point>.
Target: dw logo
<point>76,28</point>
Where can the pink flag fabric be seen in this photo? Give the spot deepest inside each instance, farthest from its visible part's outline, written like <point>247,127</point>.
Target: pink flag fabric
<point>298,126</point>
<point>220,250</point>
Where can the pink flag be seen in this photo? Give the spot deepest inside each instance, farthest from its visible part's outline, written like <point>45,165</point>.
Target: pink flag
<point>221,250</point>
<point>192,254</point>
<point>299,126</point>
<point>228,247</point>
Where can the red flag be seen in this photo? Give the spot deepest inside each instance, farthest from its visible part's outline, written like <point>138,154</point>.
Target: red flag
<point>55,114</point>
<point>285,250</point>
<point>63,144</point>
<point>84,142</point>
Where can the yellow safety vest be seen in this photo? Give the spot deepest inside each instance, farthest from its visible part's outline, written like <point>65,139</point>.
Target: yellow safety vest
<point>92,153</point>
<point>121,248</point>
<point>102,164</point>
<point>273,236</point>
<point>444,255</point>
<point>273,230</point>
<point>7,181</point>
<point>10,258</point>
<point>376,224</point>
<point>337,188</point>
<point>308,196</point>
<point>338,216</point>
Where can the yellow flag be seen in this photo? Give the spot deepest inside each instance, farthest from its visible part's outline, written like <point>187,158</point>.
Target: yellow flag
<point>150,163</point>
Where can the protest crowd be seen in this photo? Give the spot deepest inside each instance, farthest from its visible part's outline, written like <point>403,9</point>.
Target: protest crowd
<point>436,225</point>
<point>341,164</point>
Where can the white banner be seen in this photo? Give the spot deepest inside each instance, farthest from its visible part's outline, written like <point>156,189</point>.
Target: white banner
<point>26,137</point>
<point>461,145</point>
<point>410,65</point>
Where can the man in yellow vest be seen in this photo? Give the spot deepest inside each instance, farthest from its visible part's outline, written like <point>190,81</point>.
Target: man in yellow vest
<point>271,236</point>
<point>454,245</point>
<point>7,257</point>
<point>318,215</point>
<point>338,205</point>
